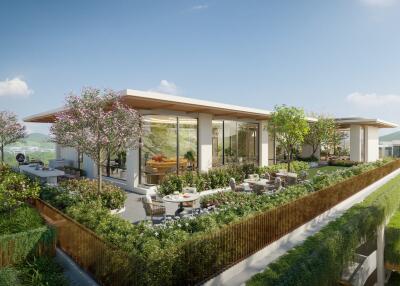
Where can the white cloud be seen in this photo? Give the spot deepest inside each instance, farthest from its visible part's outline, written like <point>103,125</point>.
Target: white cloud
<point>379,3</point>
<point>199,7</point>
<point>166,86</point>
<point>15,87</point>
<point>373,99</point>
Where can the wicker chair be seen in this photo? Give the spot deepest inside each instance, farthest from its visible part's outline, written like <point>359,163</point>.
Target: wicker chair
<point>153,209</point>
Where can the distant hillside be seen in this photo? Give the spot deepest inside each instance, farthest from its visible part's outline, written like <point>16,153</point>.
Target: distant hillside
<point>39,137</point>
<point>34,140</point>
<point>390,137</point>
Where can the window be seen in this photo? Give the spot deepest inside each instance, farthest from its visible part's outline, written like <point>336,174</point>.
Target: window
<point>169,146</point>
<point>234,142</point>
<point>115,166</point>
<point>217,143</point>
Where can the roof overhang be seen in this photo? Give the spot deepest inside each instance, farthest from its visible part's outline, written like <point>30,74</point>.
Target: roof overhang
<point>346,122</point>
<point>145,100</point>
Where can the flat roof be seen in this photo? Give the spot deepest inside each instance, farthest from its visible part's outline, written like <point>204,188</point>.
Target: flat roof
<point>347,121</point>
<point>147,100</point>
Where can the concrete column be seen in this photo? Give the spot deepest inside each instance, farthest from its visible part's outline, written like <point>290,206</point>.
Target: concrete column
<point>263,144</point>
<point>355,143</point>
<point>205,142</point>
<point>371,144</point>
<point>58,151</point>
<point>132,169</point>
<point>90,167</point>
<point>271,149</point>
<point>380,250</point>
<point>306,151</point>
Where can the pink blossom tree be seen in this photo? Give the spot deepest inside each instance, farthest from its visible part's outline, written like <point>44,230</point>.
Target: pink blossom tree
<point>10,130</point>
<point>97,123</point>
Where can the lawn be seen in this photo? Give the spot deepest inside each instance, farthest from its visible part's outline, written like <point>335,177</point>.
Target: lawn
<point>325,169</point>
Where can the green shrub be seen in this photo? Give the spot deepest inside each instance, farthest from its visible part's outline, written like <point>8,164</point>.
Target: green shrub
<point>15,189</point>
<point>19,220</point>
<point>342,163</point>
<point>219,177</point>
<point>71,192</point>
<point>9,276</point>
<point>39,271</point>
<point>322,257</point>
<point>392,240</point>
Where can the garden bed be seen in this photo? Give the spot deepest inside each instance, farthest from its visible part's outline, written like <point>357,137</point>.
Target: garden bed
<point>321,259</point>
<point>220,237</point>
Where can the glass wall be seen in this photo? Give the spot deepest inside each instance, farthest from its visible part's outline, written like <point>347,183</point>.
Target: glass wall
<point>247,142</point>
<point>169,146</point>
<point>234,142</point>
<point>217,143</point>
<point>230,142</point>
<point>115,166</point>
<point>187,144</point>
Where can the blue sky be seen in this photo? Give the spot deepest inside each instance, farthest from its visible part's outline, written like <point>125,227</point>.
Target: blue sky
<point>337,57</point>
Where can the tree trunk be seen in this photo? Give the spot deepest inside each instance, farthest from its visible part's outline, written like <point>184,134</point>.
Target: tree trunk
<point>99,177</point>
<point>2,153</point>
<point>289,160</point>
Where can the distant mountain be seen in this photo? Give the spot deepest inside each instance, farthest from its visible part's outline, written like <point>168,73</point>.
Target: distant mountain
<point>35,140</point>
<point>39,137</point>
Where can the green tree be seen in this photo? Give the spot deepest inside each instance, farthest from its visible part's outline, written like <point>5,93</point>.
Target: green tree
<point>320,133</point>
<point>335,139</point>
<point>290,126</point>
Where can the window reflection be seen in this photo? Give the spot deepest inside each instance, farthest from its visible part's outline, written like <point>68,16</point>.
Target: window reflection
<point>234,142</point>
<point>164,151</point>
<point>217,143</point>
<point>115,166</point>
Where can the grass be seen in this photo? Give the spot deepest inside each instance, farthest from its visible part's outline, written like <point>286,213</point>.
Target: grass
<point>19,220</point>
<point>41,271</point>
<point>325,169</point>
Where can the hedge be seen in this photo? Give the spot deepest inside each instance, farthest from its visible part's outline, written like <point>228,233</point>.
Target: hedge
<point>321,258</point>
<point>219,177</point>
<point>37,271</point>
<point>392,240</point>
<point>18,247</point>
<point>193,249</point>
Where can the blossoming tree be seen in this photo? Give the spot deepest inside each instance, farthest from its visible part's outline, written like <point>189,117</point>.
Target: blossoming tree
<point>10,130</point>
<point>97,123</point>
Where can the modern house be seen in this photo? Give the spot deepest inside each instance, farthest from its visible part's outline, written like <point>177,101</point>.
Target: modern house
<point>190,134</point>
<point>389,145</point>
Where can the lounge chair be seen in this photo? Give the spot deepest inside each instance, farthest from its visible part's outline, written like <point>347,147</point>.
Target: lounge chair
<point>152,209</point>
<point>245,187</point>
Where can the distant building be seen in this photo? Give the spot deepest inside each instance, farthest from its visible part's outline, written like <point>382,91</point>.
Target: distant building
<point>389,145</point>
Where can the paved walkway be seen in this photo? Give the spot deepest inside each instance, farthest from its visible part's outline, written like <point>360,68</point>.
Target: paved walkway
<point>134,210</point>
<point>75,275</point>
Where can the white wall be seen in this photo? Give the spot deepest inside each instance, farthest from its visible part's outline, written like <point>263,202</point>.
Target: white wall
<point>271,149</point>
<point>355,143</point>
<point>132,169</point>
<point>90,167</point>
<point>371,144</point>
<point>263,143</point>
<point>68,153</point>
<point>205,142</point>
<point>307,150</point>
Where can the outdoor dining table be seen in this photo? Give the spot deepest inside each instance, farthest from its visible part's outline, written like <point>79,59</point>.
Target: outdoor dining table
<point>260,182</point>
<point>286,174</point>
<point>48,176</point>
<point>180,199</point>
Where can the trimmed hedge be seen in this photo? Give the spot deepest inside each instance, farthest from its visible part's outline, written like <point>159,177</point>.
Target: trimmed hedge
<point>18,247</point>
<point>392,240</point>
<point>342,163</point>
<point>38,271</point>
<point>321,258</point>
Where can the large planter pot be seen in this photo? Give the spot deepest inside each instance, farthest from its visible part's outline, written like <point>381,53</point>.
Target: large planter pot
<point>118,211</point>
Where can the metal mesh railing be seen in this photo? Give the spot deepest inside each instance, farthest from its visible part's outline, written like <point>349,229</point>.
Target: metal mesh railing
<point>203,256</point>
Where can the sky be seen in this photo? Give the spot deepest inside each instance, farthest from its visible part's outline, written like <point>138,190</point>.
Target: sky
<point>339,58</point>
